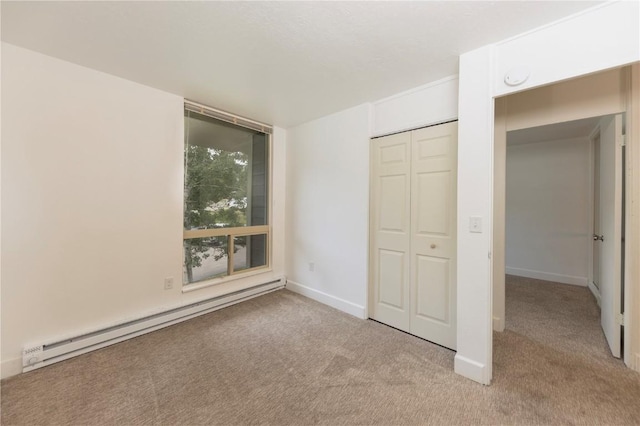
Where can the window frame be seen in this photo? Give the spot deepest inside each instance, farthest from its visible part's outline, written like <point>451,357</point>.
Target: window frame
<point>232,232</point>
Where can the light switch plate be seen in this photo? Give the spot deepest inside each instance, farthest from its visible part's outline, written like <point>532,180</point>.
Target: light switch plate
<point>475,224</point>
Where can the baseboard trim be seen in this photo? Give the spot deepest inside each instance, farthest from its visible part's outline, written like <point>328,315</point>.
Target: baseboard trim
<point>498,324</point>
<point>594,291</point>
<point>11,367</point>
<point>471,369</point>
<point>635,362</point>
<point>548,276</point>
<point>327,299</point>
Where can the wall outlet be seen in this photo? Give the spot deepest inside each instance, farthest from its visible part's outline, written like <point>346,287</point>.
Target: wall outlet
<point>312,266</point>
<point>168,283</point>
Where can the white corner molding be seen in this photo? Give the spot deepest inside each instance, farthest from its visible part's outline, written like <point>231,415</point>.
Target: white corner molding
<point>595,292</point>
<point>10,368</point>
<point>327,299</point>
<point>636,363</point>
<point>498,324</point>
<point>471,369</point>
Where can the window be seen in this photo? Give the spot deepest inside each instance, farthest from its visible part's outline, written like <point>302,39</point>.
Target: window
<point>226,196</point>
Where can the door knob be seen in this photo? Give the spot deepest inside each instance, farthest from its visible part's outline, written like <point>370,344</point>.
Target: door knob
<point>597,237</point>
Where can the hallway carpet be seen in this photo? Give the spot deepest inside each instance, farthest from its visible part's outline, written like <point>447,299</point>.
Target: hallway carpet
<point>285,359</point>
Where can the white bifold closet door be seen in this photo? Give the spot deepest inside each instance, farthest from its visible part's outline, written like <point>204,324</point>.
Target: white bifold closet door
<point>413,232</point>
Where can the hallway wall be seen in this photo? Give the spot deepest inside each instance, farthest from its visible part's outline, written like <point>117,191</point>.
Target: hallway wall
<point>548,210</point>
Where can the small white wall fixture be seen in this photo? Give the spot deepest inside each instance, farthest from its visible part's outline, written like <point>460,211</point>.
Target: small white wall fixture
<point>566,49</point>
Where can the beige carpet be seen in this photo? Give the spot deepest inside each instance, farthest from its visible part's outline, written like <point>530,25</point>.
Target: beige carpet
<point>285,359</point>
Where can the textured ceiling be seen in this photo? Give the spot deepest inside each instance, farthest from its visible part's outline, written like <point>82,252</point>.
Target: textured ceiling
<point>279,62</point>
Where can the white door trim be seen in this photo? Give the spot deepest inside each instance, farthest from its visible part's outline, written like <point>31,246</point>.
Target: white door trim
<point>608,106</point>
<point>592,182</point>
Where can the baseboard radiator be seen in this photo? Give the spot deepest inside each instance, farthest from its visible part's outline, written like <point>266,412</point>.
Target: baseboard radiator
<point>39,356</point>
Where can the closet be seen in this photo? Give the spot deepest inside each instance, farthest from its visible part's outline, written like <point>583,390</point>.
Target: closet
<point>412,253</point>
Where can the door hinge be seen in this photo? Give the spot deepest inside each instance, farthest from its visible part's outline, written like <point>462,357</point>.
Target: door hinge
<point>620,319</point>
<point>623,140</point>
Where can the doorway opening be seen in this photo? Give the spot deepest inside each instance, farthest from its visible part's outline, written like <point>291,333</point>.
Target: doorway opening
<point>563,234</point>
<point>605,97</point>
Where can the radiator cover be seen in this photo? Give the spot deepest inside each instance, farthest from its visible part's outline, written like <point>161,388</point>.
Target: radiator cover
<point>38,356</point>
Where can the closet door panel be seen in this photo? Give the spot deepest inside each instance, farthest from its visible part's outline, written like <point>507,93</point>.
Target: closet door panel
<point>433,234</point>
<point>432,285</point>
<point>391,272</point>
<point>433,203</point>
<point>393,216</point>
<point>390,230</point>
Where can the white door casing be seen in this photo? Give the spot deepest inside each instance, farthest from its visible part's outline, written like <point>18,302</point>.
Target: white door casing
<point>413,232</point>
<point>610,248</point>
<point>595,261</point>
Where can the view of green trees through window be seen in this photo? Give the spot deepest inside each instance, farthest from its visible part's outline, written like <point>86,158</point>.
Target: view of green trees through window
<point>225,205</point>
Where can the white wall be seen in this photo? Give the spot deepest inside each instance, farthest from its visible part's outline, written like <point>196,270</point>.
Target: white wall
<point>92,202</point>
<point>475,187</point>
<point>431,103</point>
<point>548,203</point>
<point>601,38</point>
<point>328,190</point>
<point>327,209</point>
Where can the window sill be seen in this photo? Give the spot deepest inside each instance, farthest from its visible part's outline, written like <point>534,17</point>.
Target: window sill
<point>186,288</point>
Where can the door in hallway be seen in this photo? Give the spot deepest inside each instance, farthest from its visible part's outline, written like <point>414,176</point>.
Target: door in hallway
<point>609,239</point>
<point>595,264</point>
